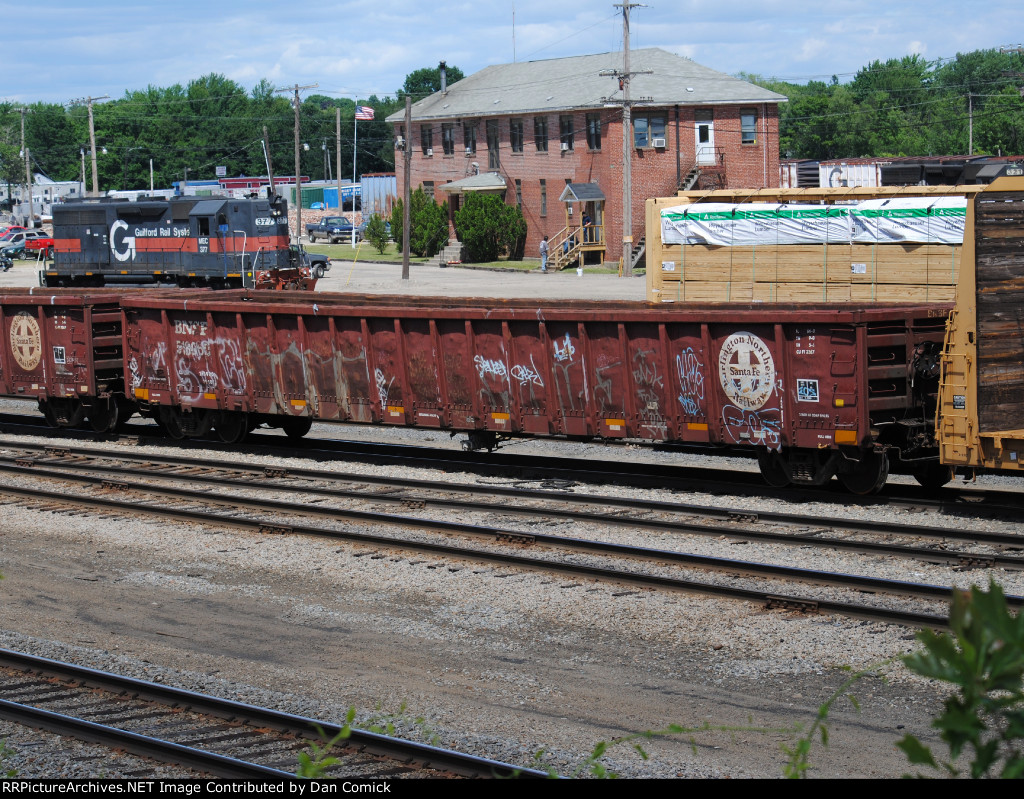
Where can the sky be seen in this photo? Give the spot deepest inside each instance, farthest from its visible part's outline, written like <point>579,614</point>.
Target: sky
<point>61,51</point>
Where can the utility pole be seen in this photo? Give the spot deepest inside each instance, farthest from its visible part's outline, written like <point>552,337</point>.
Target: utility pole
<point>88,101</point>
<point>28,168</point>
<point>407,193</point>
<point>298,180</point>
<point>337,149</point>
<point>970,124</point>
<point>627,138</point>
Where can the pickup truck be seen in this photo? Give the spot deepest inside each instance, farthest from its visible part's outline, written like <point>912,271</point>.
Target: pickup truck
<point>317,264</point>
<point>332,228</point>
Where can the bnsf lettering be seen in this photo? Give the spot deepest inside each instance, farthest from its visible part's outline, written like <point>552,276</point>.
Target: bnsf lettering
<point>185,328</point>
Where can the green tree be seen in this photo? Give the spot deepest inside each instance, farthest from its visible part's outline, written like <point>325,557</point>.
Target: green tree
<point>427,81</point>
<point>376,233</point>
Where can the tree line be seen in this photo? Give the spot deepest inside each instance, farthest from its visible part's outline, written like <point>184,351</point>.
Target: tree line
<point>212,121</point>
<point>907,107</point>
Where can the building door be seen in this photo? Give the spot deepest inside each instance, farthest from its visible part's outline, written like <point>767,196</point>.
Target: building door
<point>704,129</point>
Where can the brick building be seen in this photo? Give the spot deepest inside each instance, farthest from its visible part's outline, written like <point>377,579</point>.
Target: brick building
<point>537,130</point>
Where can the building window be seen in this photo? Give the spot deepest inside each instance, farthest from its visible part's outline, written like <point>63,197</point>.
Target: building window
<point>493,159</point>
<point>428,188</point>
<point>469,135</point>
<point>519,193</point>
<point>566,132</point>
<point>543,196</point>
<point>748,127</point>
<point>427,139</point>
<point>594,131</point>
<point>515,134</point>
<point>540,133</point>
<point>448,138</point>
<point>648,128</point>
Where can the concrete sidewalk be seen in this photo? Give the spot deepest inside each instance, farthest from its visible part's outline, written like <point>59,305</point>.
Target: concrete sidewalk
<point>453,281</point>
<point>376,278</point>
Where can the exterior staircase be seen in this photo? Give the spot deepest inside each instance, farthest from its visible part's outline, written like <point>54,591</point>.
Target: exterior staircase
<point>640,251</point>
<point>451,253</point>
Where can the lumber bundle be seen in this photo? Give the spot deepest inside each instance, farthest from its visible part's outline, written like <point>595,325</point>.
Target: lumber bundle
<point>847,271</point>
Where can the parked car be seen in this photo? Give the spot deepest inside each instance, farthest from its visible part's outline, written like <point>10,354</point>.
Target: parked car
<point>13,243</point>
<point>361,230</point>
<point>332,228</point>
<point>5,263</point>
<point>317,264</point>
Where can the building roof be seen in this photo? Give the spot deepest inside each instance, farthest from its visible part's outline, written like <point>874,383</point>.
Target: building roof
<point>488,181</point>
<point>581,193</point>
<point>563,83</point>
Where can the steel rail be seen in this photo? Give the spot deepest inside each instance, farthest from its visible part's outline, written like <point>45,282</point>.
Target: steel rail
<point>631,503</point>
<point>423,755</point>
<point>771,599</point>
<point>553,467</point>
<point>963,559</point>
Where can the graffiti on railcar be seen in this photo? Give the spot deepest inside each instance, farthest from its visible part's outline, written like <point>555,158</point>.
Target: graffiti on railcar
<point>753,427</point>
<point>691,382</point>
<point>649,382</point>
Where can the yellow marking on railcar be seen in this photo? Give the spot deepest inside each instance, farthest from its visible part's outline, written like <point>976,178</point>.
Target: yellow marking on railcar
<point>846,437</point>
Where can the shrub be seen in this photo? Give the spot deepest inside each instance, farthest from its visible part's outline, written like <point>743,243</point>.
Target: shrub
<point>487,228</point>
<point>376,233</point>
<point>428,220</point>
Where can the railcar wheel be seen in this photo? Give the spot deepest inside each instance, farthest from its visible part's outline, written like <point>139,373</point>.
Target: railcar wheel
<point>168,420</point>
<point>232,426</point>
<point>46,409</point>
<point>934,475</point>
<point>868,476</point>
<point>296,426</point>
<point>103,416</point>
<point>773,470</point>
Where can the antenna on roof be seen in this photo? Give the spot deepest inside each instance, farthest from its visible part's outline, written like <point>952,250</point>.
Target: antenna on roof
<point>513,33</point>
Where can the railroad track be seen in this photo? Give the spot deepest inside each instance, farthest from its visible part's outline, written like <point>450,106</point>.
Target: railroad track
<point>271,516</point>
<point>504,464</point>
<point>633,512</point>
<point>208,735</point>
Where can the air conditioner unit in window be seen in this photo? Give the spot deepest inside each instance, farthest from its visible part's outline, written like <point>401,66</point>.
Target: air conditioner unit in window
<point>430,151</point>
<point>469,151</point>
<point>399,141</point>
<point>565,146</point>
<point>659,143</point>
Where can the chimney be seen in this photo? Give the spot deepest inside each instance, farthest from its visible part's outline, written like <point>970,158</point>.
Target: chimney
<point>443,69</point>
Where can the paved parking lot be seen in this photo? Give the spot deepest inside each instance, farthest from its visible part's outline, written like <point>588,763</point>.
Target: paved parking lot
<point>377,278</point>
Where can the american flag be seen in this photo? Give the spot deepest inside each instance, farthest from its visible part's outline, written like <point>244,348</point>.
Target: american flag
<point>364,112</point>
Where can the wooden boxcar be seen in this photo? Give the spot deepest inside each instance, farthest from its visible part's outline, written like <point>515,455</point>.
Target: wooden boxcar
<point>981,412</point>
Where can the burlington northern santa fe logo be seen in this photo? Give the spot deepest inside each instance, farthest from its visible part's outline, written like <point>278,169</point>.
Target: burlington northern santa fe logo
<point>746,370</point>
<point>26,343</point>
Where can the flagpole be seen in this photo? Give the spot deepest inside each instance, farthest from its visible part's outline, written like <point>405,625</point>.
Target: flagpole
<point>355,148</point>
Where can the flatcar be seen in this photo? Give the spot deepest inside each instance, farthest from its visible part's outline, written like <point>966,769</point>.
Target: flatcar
<point>217,242</point>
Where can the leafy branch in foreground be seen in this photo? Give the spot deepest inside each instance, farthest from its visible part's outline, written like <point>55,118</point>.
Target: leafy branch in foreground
<point>314,763</point>
<point>593,766</point>
<point>984,659</point>
<point>798,763</point>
